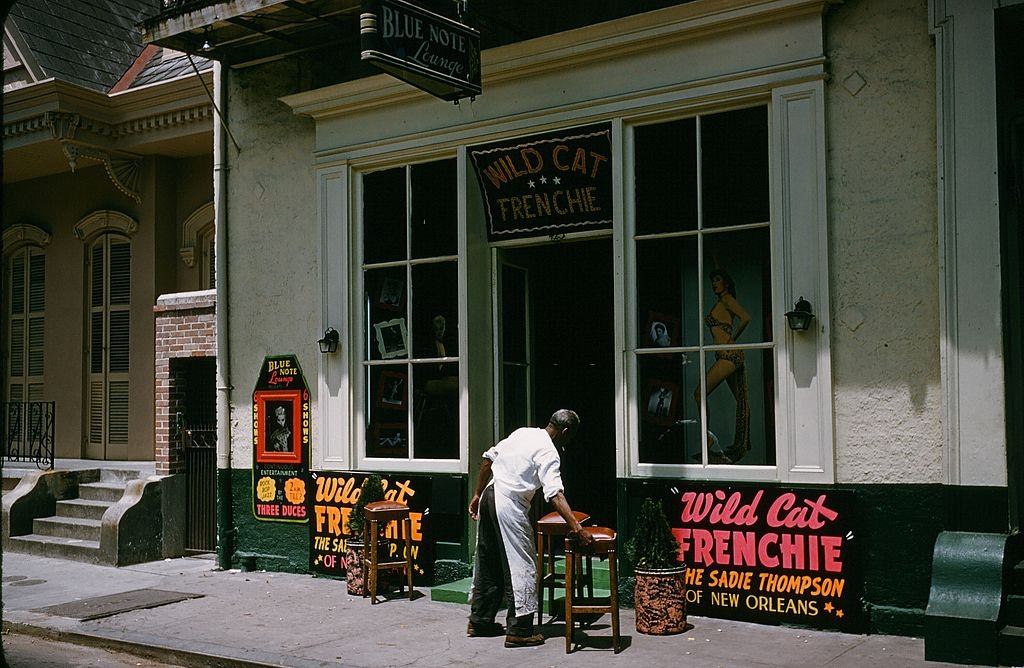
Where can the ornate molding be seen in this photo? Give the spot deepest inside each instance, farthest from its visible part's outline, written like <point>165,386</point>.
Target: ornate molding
<point>150,123</point>
<point>197,221</point>
<point>123,172</point>
<point>105,221</point>
<point>24,234</point>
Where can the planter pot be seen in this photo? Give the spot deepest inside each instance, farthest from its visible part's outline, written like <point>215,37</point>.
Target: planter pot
<point>354,575</point>
<point>660,600</point>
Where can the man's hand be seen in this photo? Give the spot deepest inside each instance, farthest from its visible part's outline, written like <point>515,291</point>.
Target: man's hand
<point>583,538</point>
<point>474,507</point>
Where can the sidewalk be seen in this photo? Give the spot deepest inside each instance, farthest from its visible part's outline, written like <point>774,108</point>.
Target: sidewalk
<point>280,619</point>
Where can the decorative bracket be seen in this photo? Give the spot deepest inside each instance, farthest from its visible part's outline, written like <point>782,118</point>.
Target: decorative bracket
<point>123,169</point>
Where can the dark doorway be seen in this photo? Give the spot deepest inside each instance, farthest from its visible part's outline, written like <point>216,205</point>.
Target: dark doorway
<point>572,341</point>
<point>1010,100</point>
<point>195,397</point>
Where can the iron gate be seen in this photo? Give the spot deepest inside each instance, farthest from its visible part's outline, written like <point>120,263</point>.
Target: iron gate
<point>199,443</point>
<point>27,429</point>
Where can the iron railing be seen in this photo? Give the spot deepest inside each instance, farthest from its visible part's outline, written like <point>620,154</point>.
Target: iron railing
<point>28,432</point>
<point>199,443</point>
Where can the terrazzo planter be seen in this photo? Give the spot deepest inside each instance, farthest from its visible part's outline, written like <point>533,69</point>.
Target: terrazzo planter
<point>354,573</point>
<point>660,600</point>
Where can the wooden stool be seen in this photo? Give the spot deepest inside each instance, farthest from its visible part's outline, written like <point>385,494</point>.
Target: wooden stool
<point>376,513</point>
<point>548,527</point>
<point>603,545</point>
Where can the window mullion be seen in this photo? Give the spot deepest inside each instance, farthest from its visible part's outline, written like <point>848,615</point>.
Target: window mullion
<point>705,457</point>
<point>409,421</point>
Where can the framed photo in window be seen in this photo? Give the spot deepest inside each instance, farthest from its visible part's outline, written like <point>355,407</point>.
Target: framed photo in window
<point>392,338</point>
<point>392,390</point>
<point>662,402</point>
<point>662,331</point>
<point>392,293</point>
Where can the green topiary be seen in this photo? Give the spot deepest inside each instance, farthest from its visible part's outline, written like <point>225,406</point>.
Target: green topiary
<point>652,545</point>
<point>371,490</point>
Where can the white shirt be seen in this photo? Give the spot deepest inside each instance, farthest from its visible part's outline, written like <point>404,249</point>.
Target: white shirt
<point>524,462</point>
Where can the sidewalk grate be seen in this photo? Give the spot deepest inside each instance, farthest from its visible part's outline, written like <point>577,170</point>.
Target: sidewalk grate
<point>115,604</point>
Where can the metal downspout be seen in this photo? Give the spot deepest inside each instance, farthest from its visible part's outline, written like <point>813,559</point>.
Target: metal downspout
<point>225,522</point>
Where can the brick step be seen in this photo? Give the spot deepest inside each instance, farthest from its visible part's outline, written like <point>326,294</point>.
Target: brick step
<point>82,508</point>
<point>56,547</point>
<point>101,491</point>
<point>68,527</point>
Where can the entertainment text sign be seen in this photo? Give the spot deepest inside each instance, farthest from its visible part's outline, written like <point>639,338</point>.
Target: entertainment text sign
<point>548,184</point>
<point>768,554</point>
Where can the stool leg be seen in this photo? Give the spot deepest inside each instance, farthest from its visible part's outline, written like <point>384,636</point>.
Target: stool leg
<point>569,558</point>
<point>540,578</point>
<point>373,562</point>
<point>407,528</point>
<point>613,580</point>
<point>590,576</point>
<point>551,569</point>
<point>366,558</point>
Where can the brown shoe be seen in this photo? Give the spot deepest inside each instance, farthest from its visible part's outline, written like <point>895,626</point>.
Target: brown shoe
<point>524,641</point>
<point>484,629</point>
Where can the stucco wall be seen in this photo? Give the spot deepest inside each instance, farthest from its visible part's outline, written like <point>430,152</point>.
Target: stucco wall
<point>273,241</point>
<point>884,246</point>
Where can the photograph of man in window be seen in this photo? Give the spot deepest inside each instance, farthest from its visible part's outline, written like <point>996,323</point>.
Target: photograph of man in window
<point>279,432</point>
<point>726,321</point>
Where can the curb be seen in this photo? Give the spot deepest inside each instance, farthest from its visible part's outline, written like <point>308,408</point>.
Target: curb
<point>162,653</point>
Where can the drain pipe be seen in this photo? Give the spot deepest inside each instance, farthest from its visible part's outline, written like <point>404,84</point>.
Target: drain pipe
<point>225,521</point>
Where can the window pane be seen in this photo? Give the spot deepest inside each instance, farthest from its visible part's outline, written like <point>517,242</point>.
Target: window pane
<point>435,215</point>
<point>668,411</point>
<point>384,216</point>
<point>514,397</point>
<point>514,317</point>
<point>120,272</point>
<point>384,301</point>
<point>387,410</point>
<point>667,308</point>
<point>436,411</point>
<point>96,280</point>
<point>738,287</point>
<point>666,177</point>
<point>37,283</point>
<point>741,406</point>
<point>734,156</point>
<point>18,284</point>
<point>435,310</point>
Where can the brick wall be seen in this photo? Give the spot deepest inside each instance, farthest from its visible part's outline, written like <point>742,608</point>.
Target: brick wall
<point>185,327</point>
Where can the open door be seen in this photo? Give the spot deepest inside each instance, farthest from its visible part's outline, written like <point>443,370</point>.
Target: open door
<point>513,371</point>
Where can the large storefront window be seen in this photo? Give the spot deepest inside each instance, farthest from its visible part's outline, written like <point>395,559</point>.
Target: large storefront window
<point>410,311</point>
<point>705,354</point>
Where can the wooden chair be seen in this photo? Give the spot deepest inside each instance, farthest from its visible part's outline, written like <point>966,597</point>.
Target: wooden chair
<point>377,515</point>
<point>548,528</point>
<point>604,545</point>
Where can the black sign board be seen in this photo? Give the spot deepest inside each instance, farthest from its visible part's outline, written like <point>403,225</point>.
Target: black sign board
<point>547,184</point>
<point>280,441</point>
<point>427,50</point>
<point>331,499</point>
<point>768,554</point>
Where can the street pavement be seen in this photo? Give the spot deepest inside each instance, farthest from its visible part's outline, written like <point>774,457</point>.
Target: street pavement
<point>278,619</point>
<point>25,651</point>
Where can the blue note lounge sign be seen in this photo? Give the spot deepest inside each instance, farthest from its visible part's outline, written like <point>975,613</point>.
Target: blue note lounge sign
<point>427,50</point>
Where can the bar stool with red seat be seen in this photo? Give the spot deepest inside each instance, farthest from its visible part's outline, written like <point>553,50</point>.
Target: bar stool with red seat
<point>376,514</point>
<point>603,545</point>
<point>549,527</point>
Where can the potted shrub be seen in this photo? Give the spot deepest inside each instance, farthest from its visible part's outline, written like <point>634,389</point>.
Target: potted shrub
<point>371,490</point>
<point>660,589</point>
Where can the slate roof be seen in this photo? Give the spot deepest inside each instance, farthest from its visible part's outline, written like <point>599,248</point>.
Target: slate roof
<point>87,42</point>
<point>168,64</point>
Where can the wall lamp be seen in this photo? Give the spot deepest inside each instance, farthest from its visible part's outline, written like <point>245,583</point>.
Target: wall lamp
<point>329,343</point>
<point>801,315</point>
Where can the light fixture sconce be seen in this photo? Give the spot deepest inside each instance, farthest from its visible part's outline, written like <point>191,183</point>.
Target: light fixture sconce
<point>329,343</point>
<point>206,47</point>
<point>801,315</point>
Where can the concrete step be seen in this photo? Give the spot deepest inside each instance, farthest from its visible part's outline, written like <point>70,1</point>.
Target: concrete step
<point>68,527</point>
<point>118,475</point>
<point>101,491</point>
<point>1011,646</point>
<point>458,592</point>
<point>83,508</point>
<point>56,547</point>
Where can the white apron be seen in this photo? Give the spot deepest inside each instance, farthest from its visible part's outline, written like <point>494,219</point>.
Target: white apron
<point>517,534</point>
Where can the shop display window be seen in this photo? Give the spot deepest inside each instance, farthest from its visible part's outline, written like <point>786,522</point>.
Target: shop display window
<point>411,312</point>
<point>705,354</point>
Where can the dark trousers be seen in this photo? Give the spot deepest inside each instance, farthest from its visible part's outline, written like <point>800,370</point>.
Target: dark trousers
<point>490,576</point>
